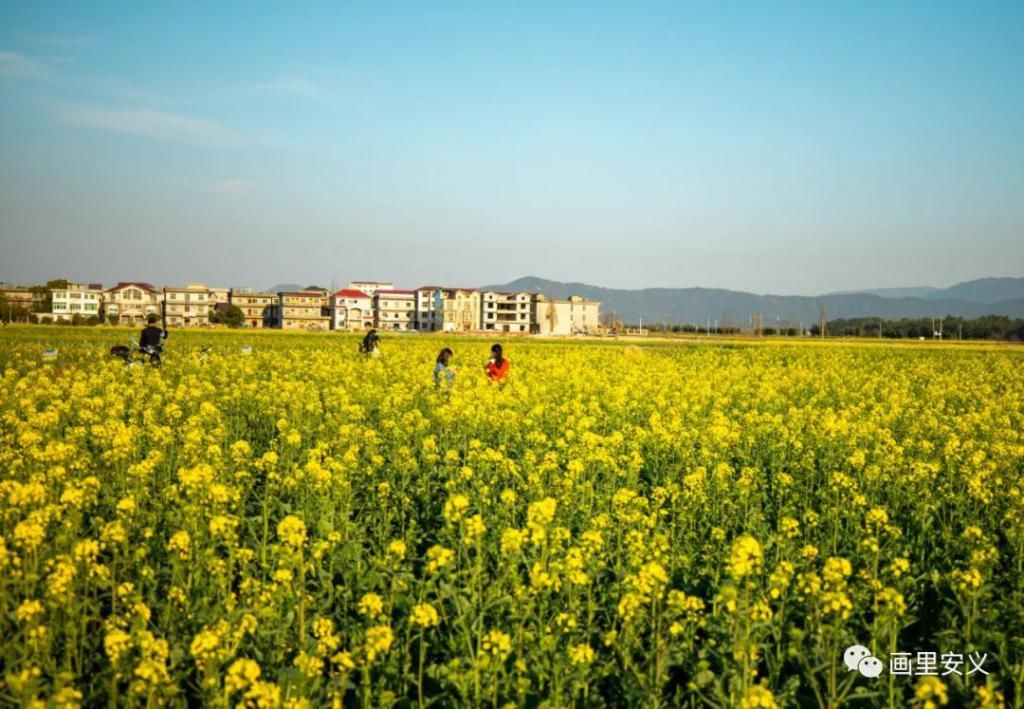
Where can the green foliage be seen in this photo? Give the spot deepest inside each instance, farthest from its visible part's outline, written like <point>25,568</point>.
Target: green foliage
<point>231,316</point>
<point>988,327</point>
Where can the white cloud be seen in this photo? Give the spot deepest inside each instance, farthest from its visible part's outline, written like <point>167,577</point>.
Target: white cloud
<point>234,186</point>
<point>150,123</point>
<point>294,85</point>
<point>21,66</point>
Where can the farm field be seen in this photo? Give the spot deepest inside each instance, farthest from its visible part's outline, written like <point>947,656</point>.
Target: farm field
<point>655,525</point>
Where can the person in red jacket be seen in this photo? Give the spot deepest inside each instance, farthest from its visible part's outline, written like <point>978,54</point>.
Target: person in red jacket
<point>497,366</point>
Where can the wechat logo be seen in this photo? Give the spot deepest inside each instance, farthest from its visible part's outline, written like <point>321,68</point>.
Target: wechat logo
<point>858,657</point>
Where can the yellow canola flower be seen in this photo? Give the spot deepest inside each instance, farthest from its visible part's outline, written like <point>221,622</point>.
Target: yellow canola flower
<point>745,557</point>
<point>424,615</point>
<point>496,643</point>
<point>378,641</point>
<point>581,654</point>
<point>759,697</point>
<point>930,692</point>
<point>241,675</point>
<point>371,605</point>
<point>292,531</point>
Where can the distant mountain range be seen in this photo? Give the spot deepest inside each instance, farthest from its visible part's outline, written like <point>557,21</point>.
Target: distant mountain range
<point>982,290</point>
<point>971,299</point>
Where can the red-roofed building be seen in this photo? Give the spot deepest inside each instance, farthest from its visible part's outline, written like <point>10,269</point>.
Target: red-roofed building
<point>351,310</point>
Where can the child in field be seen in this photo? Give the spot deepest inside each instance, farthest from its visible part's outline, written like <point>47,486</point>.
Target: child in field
<point>497,366</point>
<point>442,370</point>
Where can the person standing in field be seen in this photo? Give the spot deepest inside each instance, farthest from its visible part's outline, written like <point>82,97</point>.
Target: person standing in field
<point>498,365</point>
<point>442,369</point>
<point>370,346</point>
<point>151,340</point>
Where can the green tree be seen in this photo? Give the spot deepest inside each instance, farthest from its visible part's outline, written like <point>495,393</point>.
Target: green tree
<point>232,316</point>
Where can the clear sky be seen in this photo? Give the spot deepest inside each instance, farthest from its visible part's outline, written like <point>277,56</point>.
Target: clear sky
<point>771,147</point>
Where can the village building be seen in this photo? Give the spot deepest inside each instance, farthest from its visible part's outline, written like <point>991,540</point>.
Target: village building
<point>187,306</point>
<point>395,309</point>
<point>506,312</point>
<point>351,310</point>
<point>425,309</point>
<point>130,303</point>
<point>370,287</point>
<point>220,295</point>
<point>575,316</point>
<point>303,310</point>
<point>258,308</point>
<point>75,300</point>
<point>20,301</point>
<point>456,309</point>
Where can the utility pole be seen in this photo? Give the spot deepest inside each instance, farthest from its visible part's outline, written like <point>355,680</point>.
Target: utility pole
<point>879,328</point>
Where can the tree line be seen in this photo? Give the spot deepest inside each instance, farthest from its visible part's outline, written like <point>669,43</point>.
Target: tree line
<point>988,327</point>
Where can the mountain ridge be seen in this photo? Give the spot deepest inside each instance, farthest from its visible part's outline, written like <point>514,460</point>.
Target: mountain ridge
<point>697,305</point>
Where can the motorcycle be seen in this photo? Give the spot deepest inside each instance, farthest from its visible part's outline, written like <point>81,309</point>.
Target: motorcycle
<point>133,354</point>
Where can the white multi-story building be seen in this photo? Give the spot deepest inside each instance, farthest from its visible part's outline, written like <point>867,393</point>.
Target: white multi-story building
<point>427,318</point>
<point>395,309</point>
<point>84,301</point>
<point>351,309</point>
<point>506,312</point>
<point>575,316</point>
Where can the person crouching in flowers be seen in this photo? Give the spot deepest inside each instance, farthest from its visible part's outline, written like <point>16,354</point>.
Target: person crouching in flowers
<point>497,366</point>
<point>442,368</point>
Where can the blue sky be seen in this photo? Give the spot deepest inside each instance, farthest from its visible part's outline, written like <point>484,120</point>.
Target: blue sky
<point>772,147</point>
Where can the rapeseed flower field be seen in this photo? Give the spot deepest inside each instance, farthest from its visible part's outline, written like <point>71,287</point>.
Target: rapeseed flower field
<point>661,525</point>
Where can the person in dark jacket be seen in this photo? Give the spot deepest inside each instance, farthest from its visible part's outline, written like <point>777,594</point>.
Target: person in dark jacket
<point>370,345</point>
<point>151,340</point>
<point>152,336</point>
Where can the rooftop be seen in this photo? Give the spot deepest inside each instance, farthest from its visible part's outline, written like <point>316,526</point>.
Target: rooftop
<point>136,284</point>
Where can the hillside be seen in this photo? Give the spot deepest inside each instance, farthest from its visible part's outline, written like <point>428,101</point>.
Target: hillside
<point>697,305</point>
